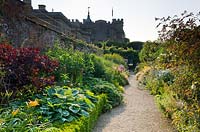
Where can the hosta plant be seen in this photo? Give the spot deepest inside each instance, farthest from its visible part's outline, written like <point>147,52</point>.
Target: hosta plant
<point>56,104</point>
<point>98,86</point>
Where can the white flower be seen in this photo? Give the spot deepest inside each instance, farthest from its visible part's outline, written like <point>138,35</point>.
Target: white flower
<point>193,87</point>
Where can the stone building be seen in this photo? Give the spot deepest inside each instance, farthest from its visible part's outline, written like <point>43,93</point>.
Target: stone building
<point>102,30</point>
<point>87,30</point>
<point>54,18</point>
<point>37,27</point>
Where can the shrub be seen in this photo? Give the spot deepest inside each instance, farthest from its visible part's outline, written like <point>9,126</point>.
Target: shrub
<point>24,66</point>
<point>55,105</point>
<point>116,58</point>
<point>116,75</point>
<point>73,64</point>
<point>166,76</point>
<point>136,45</point>
<point>127,53</point>
<point>127,50</point>
<point>109,71</point>
<point>98,87</point>
<point>150,51</point>
<point>65,105</point>
<point>99,67</point>
<point>179,93</point>
<point>84,124</point>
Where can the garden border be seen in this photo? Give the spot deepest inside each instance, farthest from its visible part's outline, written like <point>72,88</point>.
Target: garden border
<point>84,124</point>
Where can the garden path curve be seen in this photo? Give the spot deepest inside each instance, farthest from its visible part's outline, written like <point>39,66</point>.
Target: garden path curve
<point>138,114</point>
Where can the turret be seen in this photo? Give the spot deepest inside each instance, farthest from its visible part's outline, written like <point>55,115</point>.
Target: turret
<point>88,20</point>
<point>118,21</point>
<point>42,7</point>
<point>88,17</point>
<point>28,2</point>
<point>28,5</point>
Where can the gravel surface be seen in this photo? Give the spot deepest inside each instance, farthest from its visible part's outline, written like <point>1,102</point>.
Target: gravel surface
<point>138,114</point>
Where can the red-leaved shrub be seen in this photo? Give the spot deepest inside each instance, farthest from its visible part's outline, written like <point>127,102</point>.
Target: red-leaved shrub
<point>24,66</point>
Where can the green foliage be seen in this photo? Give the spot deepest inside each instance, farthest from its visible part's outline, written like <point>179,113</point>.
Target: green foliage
<point>157,80</point>
<point>155,86</point>
<point>86,47</point>
<point>80,45</point>
<point>127,53</point>
<point>127,50</point>
<point>99,67</point>
<point>150,51</point>
<point>117,76</point>
<point>98,87</point>
<point>63,106</point>
<point>112,43</point>
<point>109,71</point>
<point>175,81</point>
<point>83,124</point>
<point>73,65</point>
<point>20,119</point>
<point>116,58</point>
<point>56,104</point>
<point>2,35</point>
<point>167,102</point>
<point>136,45</point>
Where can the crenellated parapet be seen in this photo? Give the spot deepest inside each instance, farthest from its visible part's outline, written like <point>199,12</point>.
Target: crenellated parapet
<point>118,21</point>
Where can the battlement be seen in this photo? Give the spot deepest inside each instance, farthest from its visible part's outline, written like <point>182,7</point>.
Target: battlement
<point>75,21</point>
<point>117,20</point>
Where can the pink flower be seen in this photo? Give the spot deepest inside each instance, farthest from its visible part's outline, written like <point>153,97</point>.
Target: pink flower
<point>120,68</point>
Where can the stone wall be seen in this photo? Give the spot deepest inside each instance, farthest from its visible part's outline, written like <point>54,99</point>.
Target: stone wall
<point>24,26</point>
<point>27,33</point>
<point>23,29</point>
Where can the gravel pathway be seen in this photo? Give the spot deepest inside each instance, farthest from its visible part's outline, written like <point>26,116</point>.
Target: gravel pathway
<point>138,114</point>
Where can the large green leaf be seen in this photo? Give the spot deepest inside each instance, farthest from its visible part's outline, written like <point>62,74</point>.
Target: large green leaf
<point>70,118</point>
<point>84,113</point>
<point>65,113</point>
<point>74,108</point>
<point>89,103</point>
<point>68,92</point>
<point>60,96</point>
<point>75,92</point>
<point>51,91</point>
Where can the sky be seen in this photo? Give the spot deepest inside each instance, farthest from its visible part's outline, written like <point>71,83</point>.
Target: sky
<point>139,15</point>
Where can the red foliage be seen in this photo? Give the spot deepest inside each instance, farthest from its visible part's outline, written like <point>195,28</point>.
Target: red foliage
<point>24,66</point>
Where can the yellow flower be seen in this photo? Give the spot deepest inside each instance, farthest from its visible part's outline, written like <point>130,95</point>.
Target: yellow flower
<point>15,112</point>
<point>191,114</point>
<point>33,103</point>
<point>1,121</point>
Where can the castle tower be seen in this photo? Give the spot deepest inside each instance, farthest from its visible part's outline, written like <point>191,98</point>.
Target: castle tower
<point>42,8</point>
<point>88,20</point>
<point>117,31</point>
<point>28,2</point>
<point>28,6</point>
<point>88,17</point>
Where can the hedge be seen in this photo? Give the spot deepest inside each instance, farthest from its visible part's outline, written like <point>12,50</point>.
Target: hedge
<point>84,124</point>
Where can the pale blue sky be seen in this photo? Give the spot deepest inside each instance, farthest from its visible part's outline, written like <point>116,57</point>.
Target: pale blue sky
<point>139,15</point>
